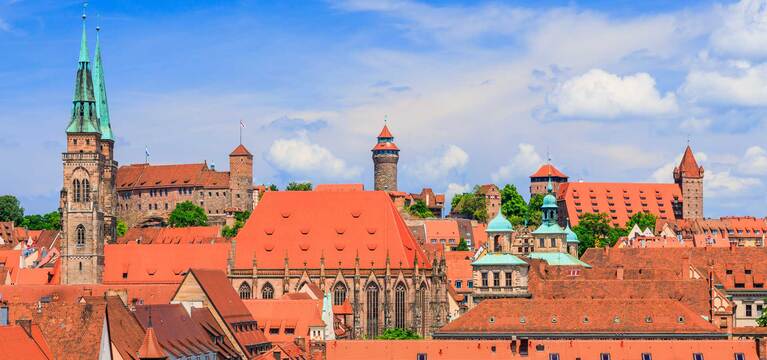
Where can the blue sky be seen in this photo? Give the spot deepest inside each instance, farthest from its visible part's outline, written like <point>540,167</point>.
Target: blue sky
<point>475,92</point>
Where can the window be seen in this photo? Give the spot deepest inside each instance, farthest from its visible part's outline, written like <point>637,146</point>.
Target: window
<point>646,356</point>
<point>604,356</point>
<point>399,306</point>
<point>484,279</point>
<point>80,235</point>
<point>508,279</point>
<point>339,294</point>
<point>421,356</point>
<point>740,356</point>
<point>421,305</point>
<point>496,279</point>
<point>76,189</point>
<point>748,310</point>
<point>267,292</point>
<point>554,356</point>
<point>80,266</point>
<point>290,331</point>
<point>542,242</point>
<point>697,356</point>
<point>553,242</point>
<point>372,310</point>
<point>470,284</point>
<point>244,291</point>
<point>458,284</point>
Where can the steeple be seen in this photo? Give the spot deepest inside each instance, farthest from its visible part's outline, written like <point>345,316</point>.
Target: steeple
<point>102,108</point>
<point>84,118</point>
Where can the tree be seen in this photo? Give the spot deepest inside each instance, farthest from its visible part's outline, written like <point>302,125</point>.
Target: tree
<point>399,334</point>
<point>49,221</point>
<point>534,212</point>
<point>187,214</point>
<point>643,219</point>
<point>594,230</point>
<point>272,187</point>
<point>10,209</point>
<point>122,228</point>
<point>513,205</point>
<point>462,245</point>
<point>299,186</point>
<point>762,319</point>
<point>420,210</point>
<point>239,221</point>
<point>470,205</point>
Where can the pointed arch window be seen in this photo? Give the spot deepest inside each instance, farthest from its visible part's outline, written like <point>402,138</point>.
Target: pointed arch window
<point>267,292</point>
<point>86,190</point>
<point>372,310</point>
<point>76,190</point>
<point>339,294</point>
<point>399,306</point>
<point>80,235</point>
<point>244,291</point>
<point>421,301</point>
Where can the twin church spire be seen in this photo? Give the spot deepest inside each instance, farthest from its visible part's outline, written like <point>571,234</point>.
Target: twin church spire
<point>90,112</point>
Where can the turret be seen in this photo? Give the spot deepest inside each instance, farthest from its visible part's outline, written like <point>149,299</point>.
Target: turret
<point>385,158</point>
<point>241,178</point>
<point>689,176</point>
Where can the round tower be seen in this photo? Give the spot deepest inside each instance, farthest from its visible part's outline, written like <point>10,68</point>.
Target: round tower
<point>385,158</point>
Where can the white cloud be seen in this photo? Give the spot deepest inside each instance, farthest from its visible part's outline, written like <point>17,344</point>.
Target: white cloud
<point>453,159</point>
<point>744,30</point>
<point>599,94</point>
<point>522,164</point>
<point>695,125</point>
<point>716,184</point>
<point>454,189</point>
<point>741,84</point>
<point>754,161</point>
<point>300,156</point>
<point>665,173</point>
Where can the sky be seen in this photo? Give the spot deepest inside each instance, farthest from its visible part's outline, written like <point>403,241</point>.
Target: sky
<point>474,91</point>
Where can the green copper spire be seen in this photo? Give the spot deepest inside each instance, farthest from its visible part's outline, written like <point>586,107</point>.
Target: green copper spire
<point>102,109</point>
<point>84,118</point>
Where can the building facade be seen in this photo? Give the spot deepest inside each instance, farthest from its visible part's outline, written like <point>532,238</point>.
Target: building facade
<point>492,199</point>
<point>88,195</point>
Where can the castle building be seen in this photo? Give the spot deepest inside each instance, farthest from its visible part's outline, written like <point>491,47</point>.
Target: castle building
<point>545,174</point>
<point>385,158</point>
<point>682,199</point>
<point>147,194</point>
<point>492,199</point>
<point>353,244</point>
<point>88,195</point>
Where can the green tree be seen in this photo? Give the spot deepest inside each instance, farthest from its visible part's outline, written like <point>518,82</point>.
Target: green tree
<point>122,228</point>
<point>49,221</point>
<point>470,205</point>
<point>187,214</point>
<point>420,210</point>
<point>595,230</point>
<point>513,205</point>
<point>462,245</point>
<point>10,209</point>
<point>239,221</point>
<point>272,187</point>
<point>643,219</point>
<point>299,186</point>
<point>399,334</point>
<point>762,319</point>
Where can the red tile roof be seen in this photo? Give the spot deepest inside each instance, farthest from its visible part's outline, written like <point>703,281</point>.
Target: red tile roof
<point>618,200</point>
<point>171,235</point>
<point>147,294</point>
<point>145,176</point>
<point>339,226</point>
<point>175,330</point>
<point>385,133</point>
<point>548,170</point>
<point>124,330</point>
<point>439,230</point>
<point>340,187</point>
<point>611,318</point>
<point>567,349</point>
<point>688,167</point>
<point>16,343</point>
<point>159,264</point>
<point>459,268</point>
<point>9,266</point>
<point>32,276</point>
<point>150,348</point>
<point>385,146</point>
<point>281,314</point>
<point>479,235</point>
<point>241,150</point>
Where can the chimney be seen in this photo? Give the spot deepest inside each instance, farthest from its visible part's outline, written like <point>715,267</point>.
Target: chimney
<point>619,272</point>
<point>26,325</point>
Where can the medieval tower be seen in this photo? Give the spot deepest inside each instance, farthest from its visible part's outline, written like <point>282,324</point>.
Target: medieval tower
<point>88,193</point>
<point>241,179</point>
<point>385,158</point>
<point>689,176</point>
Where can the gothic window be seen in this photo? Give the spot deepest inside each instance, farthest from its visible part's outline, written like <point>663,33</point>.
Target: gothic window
<point>339,294</point>
<point>86,190</point>
<point>244,291</point>
<point>421,299</point>
<point>80,235</point>
<point>267,292</point>
<point>372,310</point>
<point>399,306</point>
<point>76,189</point>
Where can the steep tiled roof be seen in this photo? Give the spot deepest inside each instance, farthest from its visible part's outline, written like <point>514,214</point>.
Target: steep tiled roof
<point>15,344</point>
<point>488,188</point>
<point>566,349</point>
<point>240,150</point>
<point>547,170</point>
<point>340,187</point>
<point>31,276</point>
<point>443,230</point>
<point>144,176</point>
<point>30,294</point>
<point>612,318</point>
<point>479,233</point>
<point>459,268</point>
<point>170,235</point>
<point>150,348</point>
<point>618,200</point>
<point>124,330</point>
<point>385,146</point>
<point>688,167</point>
<point>281,314</point>
<point>385,133</point>
<point>159,264</point>
<point>204,318</point>
<point>339,226</point>
<point>9,266</point>
<point>175,330</point>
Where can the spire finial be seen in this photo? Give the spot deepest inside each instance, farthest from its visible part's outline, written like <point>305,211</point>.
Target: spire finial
<point>386,119</point>
<point>84,40</point>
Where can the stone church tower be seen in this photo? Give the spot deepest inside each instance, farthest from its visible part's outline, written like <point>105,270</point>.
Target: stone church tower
<point>241,178</point>
<point>689,176</point>
<point>88,195</point>
<point>385,158</point>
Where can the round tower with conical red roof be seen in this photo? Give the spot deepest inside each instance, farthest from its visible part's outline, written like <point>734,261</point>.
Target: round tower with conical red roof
<point>689,176</point>
<point>385,158</point>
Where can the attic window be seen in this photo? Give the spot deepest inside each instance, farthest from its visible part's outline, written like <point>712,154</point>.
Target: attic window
<point>680,319</point>
<point>648,319</point>
<point>617,319</point>
<point>522,320</point>
<point>554,319</point>
<point>586,320</point>
<point>492,320</point>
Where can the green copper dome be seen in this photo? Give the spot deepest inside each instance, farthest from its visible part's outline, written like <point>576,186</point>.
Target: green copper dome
<point>572,237</point>
<point>499,224</point>
<point>549,201</point>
